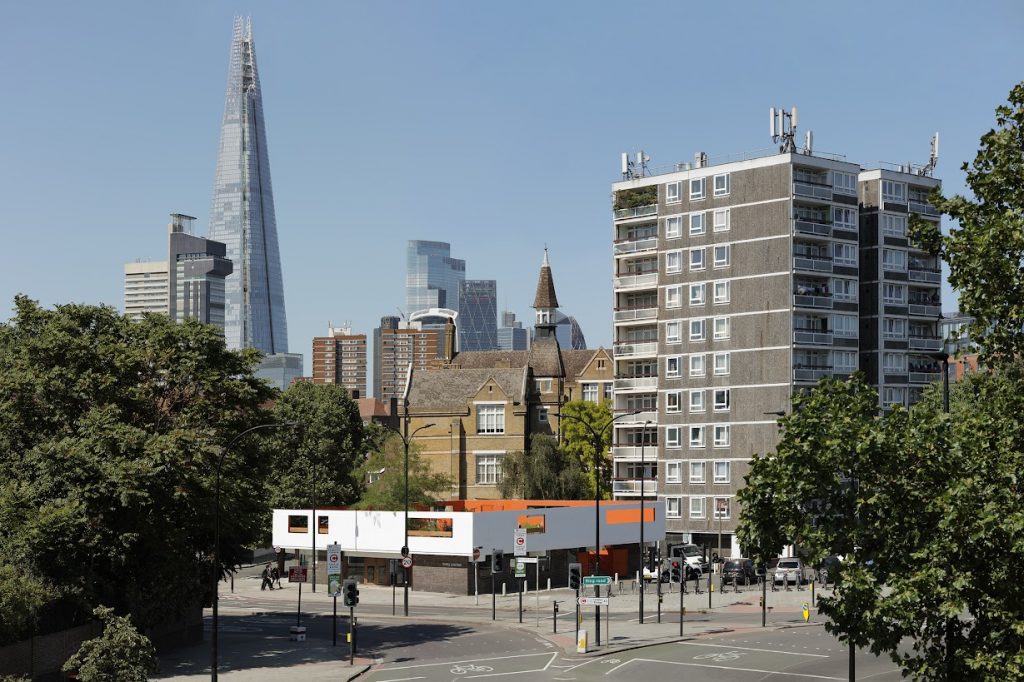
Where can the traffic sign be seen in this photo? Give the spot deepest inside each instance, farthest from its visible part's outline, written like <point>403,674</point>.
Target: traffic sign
<point>520,568</point>
<point>519,542</point>
<point>297,574</point>
<point>476,553</point>
<point>593,601</point>
<point>407,562</point>
<point>597,580</point>
<point>333,559</point>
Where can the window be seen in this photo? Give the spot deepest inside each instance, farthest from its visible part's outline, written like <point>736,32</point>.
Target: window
<point>722,185</point>
<point>844,183</point>
<point>894,191</point>
<point>697,437</point>
<point>607,388</point>
<point>894,328</point>
<point>894,396</point>
<point>844,254</point>
<point>722,472</point>
<point>673,297</point>
<point>894,260</point>
<point>722,435</point>
<point>672,401</point>
<point>722,256</point>
<point>674,227</point>
<point>721,328</point>
<point>721,220</point>
<point>542,385</point>
<point>488,468</point>
<point>490,419</point>
<point>698,188</point>
<point>697,330</point>
<point>672,193</point>
<point>672,332</point>
<point>542,414</point>
<point>894,363</point>
<point>697,507</point>
<point>721,364</point>
<point>844,361</point>
<point>673,261</point>
<point>696,224</point>
<point>673,472</point>
<point>844,289</point>
<point>673,507</point>
<point>697,259</point>
<point>698,472</point>
<point>672,437</point>
<point>697,365</point>
<point>845,326</point>
<point>721,292</point>
<point>895,294</point>
<point>696,401</point>
<point>721,507</point>
<point>298,523</point>
<point>844,218</point>
<point>672,367</point>
<point>721,400</point>
<point>590,393</point>
<point>894,225</point>
<point>697,294</point>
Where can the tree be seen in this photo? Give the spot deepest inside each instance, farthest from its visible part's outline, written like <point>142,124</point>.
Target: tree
<point>579,439</point>
<point>986,252</point>
<point>545,472</point>
<point>22,597</point>
<point>110,431</point>
<point>327,444</point>
<point>386,468</point>
<point>120,654</point>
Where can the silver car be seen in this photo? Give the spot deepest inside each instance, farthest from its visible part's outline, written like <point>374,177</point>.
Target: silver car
<point>791,570</point>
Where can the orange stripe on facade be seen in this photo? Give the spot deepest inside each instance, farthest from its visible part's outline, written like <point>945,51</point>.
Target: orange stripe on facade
<point>614,516</point>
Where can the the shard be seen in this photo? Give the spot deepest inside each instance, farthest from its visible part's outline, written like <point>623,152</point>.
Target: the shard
<point>242,215</point>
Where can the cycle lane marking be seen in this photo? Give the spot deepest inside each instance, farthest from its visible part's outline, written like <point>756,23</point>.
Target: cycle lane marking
<point>726,667</point>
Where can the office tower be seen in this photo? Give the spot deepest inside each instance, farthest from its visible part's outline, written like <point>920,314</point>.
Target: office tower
<point>736,285</point>
<point>188,285</point>
<point>569,332</point>
<point>432,276</point>
<point>340,358</point>
<point>478,315</point>
<point>242,214</point>
<point>511,334</point>
<point>395,345</point>
<point>280,369</point>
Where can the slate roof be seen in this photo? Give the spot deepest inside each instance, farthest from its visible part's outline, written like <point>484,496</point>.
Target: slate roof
<point>453,389</point>
<point>575,361</point>
<point>545,297</point>
<point>546,358</point>
<point>480,359</point>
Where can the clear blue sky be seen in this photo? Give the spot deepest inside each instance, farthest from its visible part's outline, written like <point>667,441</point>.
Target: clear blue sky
<point>494,126</point>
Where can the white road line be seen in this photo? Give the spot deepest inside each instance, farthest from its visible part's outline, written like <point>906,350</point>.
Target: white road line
<point>405,679</point>
<point>745,670</point>
<point>744,648</point>
<point>578,665</point>
<point>469,660</point>
<point>516,672</point>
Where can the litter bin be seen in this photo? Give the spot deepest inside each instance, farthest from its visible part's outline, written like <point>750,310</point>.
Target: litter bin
<point>297,633</point>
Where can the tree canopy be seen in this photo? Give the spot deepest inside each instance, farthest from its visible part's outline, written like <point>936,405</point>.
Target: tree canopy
<point>545,472</point>
<point>385,466</point>
<point>120,653</point>
<point>578,439</point>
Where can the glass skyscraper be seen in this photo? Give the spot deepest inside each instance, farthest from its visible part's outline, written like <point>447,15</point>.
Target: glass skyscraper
<point>432,276</point>
<point>478,314</point>
<point>242,215</point>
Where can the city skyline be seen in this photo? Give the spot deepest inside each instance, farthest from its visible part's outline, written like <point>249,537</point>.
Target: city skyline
<point>538,140</point>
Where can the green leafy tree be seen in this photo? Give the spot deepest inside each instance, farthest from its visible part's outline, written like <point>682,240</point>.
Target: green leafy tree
<point>22,597</point>
<point>110,431</point>
<point>324,448</point>
<point>120,654</point>
<point>579,439</point>
<point>985,252</point>
<point>385,466</point>
<point>545,472</point>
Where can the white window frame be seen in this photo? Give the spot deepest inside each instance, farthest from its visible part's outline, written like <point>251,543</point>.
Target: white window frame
<point>674,296</point>
<point>725,513</point>
<point>492,408</point>
<point>673,193</point>
<point>893,190</point>
<point>497,464</point>
<point>698,329</point>
<point>842,367</point>
<point>701,191</point>
<point>697,224</point>
<point>698,506</point>
<point>697,365</point>
<point>722,364</point>
<point>697,401</point>
<point>677,465</point>
<point>673,367</point>
<point>894,225</point>
<point>722,255</point>
<point>697,437</point>
<point>841,287</point>
<point>676,335</point>
<point>697,472</point>
<point>700,256</point>
<point>542,414</point>
<point>673,402</point>
<point>894,260</point>
<point>899,367</point>
<point>697,294</point>
<point>891,288</point>
<point>721,220</point>
<point>844,217</point>
<point>590,392</point>
<point>721,189</point>
<point>844,326</point>
<point>673,507</point>
<point>722,400</point>
<point>673,437</point>
<point>894,328</point>
<point>674,227</point>
<point>722,435</point>
<point>677,256</point>
<point>727,476</point>
<point>844,183</point>
<point>722,328</point>
<point>722,291</point>
<point>890,393</point>
<point>844,254</point>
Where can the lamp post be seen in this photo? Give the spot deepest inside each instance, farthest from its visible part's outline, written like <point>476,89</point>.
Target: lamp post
<point>643,477</point>
<point>949,347</point>
<point>598,437</point>
<point>216,536</point>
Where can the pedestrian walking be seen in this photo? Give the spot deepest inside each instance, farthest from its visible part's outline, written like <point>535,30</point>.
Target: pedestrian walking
<point>266,575</point>
<point>275,577</point>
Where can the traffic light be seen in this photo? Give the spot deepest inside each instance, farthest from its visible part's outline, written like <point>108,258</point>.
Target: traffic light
<point>677,573</point>
<point>350,592</point>
<point>650,558</point>
<point>574,576</point>
<point>497,562</point>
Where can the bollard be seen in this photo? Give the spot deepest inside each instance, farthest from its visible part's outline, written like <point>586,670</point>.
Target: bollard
<point>503,589</point>
<point>785,582</point>
<point>554,617</point>
<point>549,584</point>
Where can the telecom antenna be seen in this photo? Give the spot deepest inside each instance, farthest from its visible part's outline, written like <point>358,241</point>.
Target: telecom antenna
<point>783,128</point>
<point>634,169</point>
<point>808,142</point>
<point>641,161</point>
<point>628,169</point>
<point>933,158</point>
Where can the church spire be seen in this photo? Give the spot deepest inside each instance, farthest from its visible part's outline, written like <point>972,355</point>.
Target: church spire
<point>545,301</point>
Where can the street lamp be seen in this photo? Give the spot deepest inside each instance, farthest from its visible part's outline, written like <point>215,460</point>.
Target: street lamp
<point>598,437</point>
<point>216,536</point>
<point>643,444</point>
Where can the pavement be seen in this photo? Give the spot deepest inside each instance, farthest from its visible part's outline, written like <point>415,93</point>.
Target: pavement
<point>255,644</point>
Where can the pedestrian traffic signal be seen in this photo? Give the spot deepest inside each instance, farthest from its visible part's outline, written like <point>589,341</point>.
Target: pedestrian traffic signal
<point>677,573</point>
<point>574,576</point>
<point>350,593</point>
<point>497,562</point>
<point>651,551</point>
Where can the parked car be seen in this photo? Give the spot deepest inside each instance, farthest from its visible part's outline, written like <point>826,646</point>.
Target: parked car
<point>789,569</point>
<point>828,568</point>
<point>739,571</point>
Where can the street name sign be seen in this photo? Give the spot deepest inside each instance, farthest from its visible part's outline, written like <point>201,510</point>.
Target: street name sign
<point>593,601</point>
<point>597,580</point>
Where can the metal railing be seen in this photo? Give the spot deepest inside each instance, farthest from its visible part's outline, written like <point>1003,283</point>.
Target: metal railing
<point>805,189</point>
<point>650,452</point>
<point>635,314</point>
<point>627,349</point>
<point>812,228</point>
<point>632,485</point>
<point>929,343</point>
<point>924,377</point>
<point>812,263</point>
<point>925,310</point>
<point>813,337</point>
<point>636,382</point>
<point>636,212</point>
<point>922,207</point>
<point>812,301</point>
<point>636,246</point>
<point>637,280</point>
<point>924,273</point>
<point>812,373</point>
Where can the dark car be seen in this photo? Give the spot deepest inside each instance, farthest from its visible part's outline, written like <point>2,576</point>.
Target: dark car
<point>828,569</point>
<point>739,571</point>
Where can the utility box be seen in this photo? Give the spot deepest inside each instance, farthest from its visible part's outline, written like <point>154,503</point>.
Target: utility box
<point>297,633</point>
<point>581,642</point>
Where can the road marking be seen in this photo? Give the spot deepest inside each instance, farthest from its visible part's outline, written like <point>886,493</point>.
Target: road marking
<point>468,660</point>
<point>404,679</point>
<point>517,672</point>
<point>726,667</point>
<point>746,648</point>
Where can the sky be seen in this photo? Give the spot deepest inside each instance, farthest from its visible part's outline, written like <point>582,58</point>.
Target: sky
<point>496,127</point>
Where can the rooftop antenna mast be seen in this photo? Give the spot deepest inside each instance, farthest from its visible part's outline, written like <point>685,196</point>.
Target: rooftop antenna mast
<point>933,158</point>
<point>634,169</point>
<point>783,129</point>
